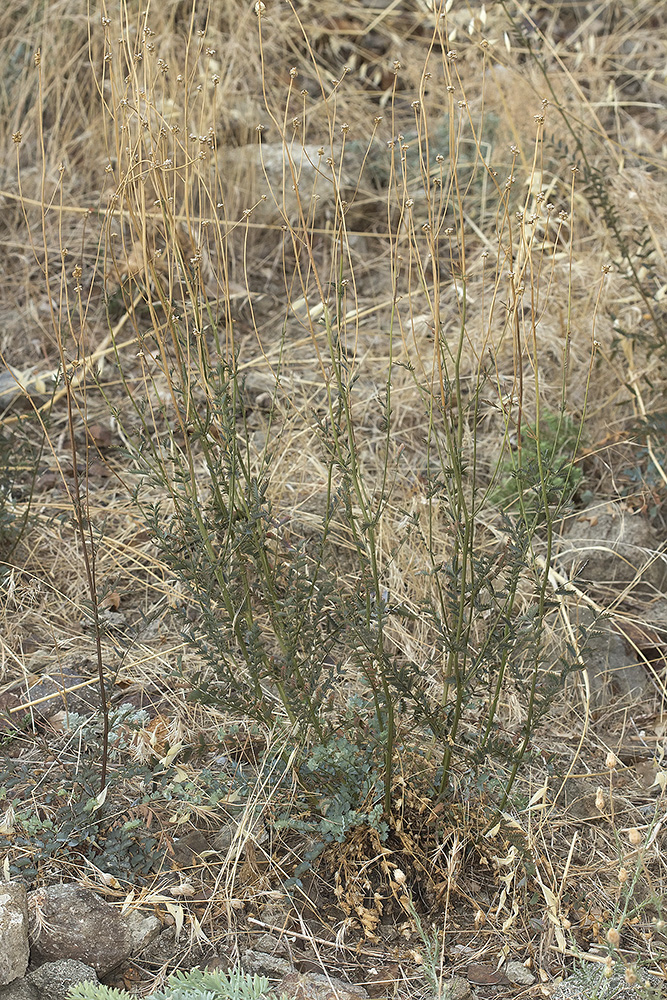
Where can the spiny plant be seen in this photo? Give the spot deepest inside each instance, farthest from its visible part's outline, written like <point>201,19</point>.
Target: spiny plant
<point>287,627</point>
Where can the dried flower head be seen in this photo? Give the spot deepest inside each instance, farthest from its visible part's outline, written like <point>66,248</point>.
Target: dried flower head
<point>630,975</point>
<point>613,937</point>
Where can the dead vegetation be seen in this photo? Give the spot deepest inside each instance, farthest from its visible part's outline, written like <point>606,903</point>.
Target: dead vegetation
<point>434,223</point>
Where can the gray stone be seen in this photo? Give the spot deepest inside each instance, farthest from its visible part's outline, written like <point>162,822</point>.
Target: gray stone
<point>231,839</point>
<point>20,989</point>
<point>610,547</point>
<point>586,983</point>
<point>260,963</point>
<point>656,614</point>
<point>313,986</point>
<point>518,974</point>
<point>14,946</point>
<point>69,921</point>
<point>611,664</point>
<point>162,949</point>
<point>456,988</point>
<point>54,980</point>
<point>271,945</point>
<point>56,690</point>
<point>143,930</point>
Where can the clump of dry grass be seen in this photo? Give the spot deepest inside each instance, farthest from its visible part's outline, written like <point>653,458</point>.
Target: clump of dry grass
<point>327,268</point>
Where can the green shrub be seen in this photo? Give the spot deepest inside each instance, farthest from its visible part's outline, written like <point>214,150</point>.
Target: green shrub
<point>546,454</point>
<point>426,609</point>
<point>193,985</point>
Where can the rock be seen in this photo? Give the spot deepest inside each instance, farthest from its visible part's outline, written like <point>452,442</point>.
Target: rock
<point>261,964</point>
<point>313,986</point>
<point>611,664</point>
<point>188,849</point>
<point>20,989</point>
<point>608,546</point>
<point>518,974</point>
<point>231,839</point>
<point>14,946</point>
<point>456,988</point>
<point>269,944</point>
<point>585,983</point>
<point>143,930</point>
<point>162,949</point>
<point>58,694</point>
<point>68,921</point>
<point>165,950</point>
<point>54,980</point>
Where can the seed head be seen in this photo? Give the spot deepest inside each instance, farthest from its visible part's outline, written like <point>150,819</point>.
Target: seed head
<point>613,937</point>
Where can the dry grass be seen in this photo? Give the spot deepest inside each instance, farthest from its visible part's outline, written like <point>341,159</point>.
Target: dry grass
<point>136,187</point>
